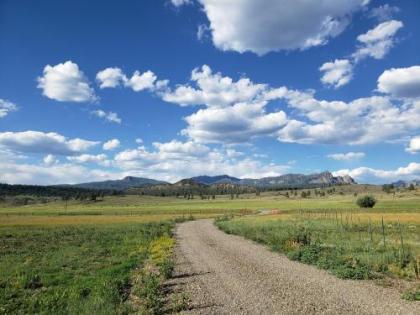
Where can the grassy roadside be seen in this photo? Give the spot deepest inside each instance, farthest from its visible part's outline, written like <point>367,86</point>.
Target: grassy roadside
<point>95,269</point>
<point>349,250</point>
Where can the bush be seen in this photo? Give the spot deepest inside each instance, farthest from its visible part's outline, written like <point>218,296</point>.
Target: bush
<point>366,201</point>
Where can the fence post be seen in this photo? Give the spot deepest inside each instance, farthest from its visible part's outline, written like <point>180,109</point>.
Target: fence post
<point>383,231</point>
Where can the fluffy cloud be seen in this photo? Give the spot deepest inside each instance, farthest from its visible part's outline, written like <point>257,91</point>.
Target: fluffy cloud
<point>177,148</point>
<point>113,77</point>
<point>378,176</point>
<point>108,116</point>
<point>169,161</point>
<point>401,82</point>
<point>111,144</point>
<point>68,173</point>
<point>414,145</point>
<point>364,120</point>
<point>337,73</point>
<point>175,160</point>
<point>213,90</point>
<point>50,159</point>
<point>142,81</point>
<point>273,25</point>
<point>383,12</point>
<point>6,107</point>
<point>40,142</point>
<point>350,156</point>
<point>65,82</point>
<point>110,77</point>
<point>101,159</point>
<point>236,111</point>
<point>378,41</point>
<point>238,123</point>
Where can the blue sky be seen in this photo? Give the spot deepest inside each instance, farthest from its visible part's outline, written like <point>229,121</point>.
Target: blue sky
<point>93,90</point>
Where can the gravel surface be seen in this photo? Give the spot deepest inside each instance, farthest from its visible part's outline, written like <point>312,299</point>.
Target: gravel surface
<point>226,274</point>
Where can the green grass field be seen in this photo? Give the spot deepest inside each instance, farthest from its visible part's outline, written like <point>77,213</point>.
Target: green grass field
<point>142,205</point>
<point>97,257</point>
<point>72,269</point>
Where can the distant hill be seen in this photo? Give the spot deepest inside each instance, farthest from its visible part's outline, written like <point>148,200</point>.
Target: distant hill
<point>188,182</point>
<point>201,182</point>
<point>121,184</point>
<point>220,179</point>
<point>406,183</point>
<point>300,180</point>
<point>288,180</point>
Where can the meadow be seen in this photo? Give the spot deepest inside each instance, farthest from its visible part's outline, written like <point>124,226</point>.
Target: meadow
<point>72,269</point>
<point>113,255</point>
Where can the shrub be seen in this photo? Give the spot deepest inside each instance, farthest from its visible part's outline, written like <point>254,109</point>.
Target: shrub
<point>366,201</point>
<point>412,295</point>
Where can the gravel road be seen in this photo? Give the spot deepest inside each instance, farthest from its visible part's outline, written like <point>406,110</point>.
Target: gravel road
<point>226,274</point>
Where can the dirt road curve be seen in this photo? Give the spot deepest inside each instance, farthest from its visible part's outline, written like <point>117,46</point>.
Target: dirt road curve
<point>225,274</point>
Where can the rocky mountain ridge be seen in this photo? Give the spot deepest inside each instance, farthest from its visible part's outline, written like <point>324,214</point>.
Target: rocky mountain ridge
<point>288,180</point>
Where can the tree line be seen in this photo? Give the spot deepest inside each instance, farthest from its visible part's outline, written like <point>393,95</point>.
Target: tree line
<point>64,192</point>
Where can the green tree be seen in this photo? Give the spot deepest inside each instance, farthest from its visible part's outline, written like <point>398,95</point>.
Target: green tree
<point>387,188</point>
<point>366,201</point>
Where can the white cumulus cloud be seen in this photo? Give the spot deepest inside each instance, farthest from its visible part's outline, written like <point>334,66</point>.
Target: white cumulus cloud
<point>50,160</point>
<point>65,82</point>
<point>377,42</point>
<point>213,90</point>
<point>110,77</point>
<point>141,81</point>
<point>114,77</point>
<point>41,142</point>
<point>175,160</point>
<point>364,120</point>
<point>65,173</point>
<point>108,116</point>
<point>337,73</point>
<point>379,176</point>
<point>401,82</point>
<point>272,25</point>
<point>414,145</point>
<point>111,144</point>
<point>235,110</point>
<point>101,159</point>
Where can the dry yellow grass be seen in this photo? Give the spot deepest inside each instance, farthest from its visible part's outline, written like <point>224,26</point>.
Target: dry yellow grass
<point>408,217</point>
<point>14,220</point>
<point>389,217</point>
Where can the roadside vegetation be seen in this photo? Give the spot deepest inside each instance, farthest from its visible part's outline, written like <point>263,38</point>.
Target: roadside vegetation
<point>104,269</point>
<point>349,244</point>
